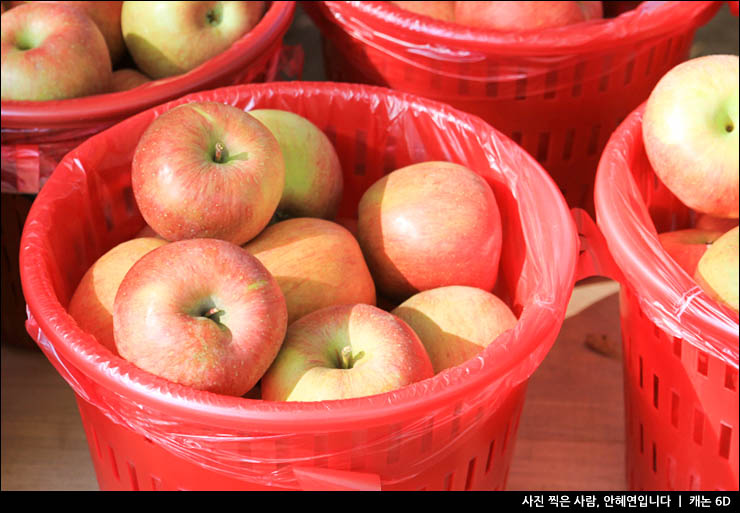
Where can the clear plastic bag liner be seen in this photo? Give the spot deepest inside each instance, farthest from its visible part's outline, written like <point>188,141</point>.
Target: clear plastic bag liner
<point>548,60</point>
<point>36,135</point>
<point>374,130</point>
<point>632,207</point>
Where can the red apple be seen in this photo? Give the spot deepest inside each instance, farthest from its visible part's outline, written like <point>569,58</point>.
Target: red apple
<point>524,16</point>
<point>444,11</point>
<point>455,323</point>
<point>317,263</point>
<point>92,302</point>
<point>125,79</point>
<point>687,247</point>
<point>107,17</point>
<point>52,52</point>
<point>172,37</point>
<point>202,313</point>
<point>313,174</point>
<point>717,224</point>
<point>717,272</point>
<point>345,351</point>
<point>207,170</point>
<point>690,131</point>
<point>429,225</point>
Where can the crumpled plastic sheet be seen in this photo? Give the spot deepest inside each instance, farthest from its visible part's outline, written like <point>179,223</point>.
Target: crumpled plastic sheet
<point>632,207</point>
<point>374,130</point>
<point>36,135</point>
<point>550,60</point>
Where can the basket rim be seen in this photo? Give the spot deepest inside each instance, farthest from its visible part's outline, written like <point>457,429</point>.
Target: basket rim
<point>386,18</point>
<point>699,320</point>
<point>273,24</point>
<point>118,375</point>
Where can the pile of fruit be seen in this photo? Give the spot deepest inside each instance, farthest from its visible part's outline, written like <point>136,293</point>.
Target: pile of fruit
<point>690,133</point>
<point>245,282</point>
<point>54,50</point>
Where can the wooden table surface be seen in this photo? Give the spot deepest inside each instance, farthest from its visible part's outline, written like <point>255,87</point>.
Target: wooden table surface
<point>571,435</point>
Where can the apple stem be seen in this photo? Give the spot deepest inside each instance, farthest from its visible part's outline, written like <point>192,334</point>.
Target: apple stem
<point>346,359</point>
<point>218,156</point>
<point>214,314</point>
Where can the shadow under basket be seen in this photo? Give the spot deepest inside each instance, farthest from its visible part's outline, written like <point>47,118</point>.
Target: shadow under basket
<point>15,208</point>
<point>680,346</point>
<point>455,431</point>
<point>559,93</point>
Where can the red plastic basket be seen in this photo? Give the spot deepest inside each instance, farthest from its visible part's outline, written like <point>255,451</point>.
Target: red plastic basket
<point>680,346</point>
<point>454,431</point>
<point>559,93</point>
<point>36,135</point>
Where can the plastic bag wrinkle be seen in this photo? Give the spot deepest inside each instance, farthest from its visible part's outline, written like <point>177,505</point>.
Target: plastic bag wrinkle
<point>632,207</point>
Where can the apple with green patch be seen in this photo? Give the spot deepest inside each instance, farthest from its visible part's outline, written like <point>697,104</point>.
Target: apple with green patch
<point>203,313</point>
<point>207,170</point>
<point>313,173</point>
<point>690,132</point>
<point>344,352</point>
<point>169,38</point>
<point>107,17</point>
<point>52,52</point>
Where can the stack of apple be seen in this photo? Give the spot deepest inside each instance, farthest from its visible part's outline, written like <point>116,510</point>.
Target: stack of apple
<point>54,50</point>
<point>517,16</point>
<point>690,133</point>
<point>244,281</point>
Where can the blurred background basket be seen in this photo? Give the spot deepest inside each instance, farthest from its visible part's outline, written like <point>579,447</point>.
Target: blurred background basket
<point>36,135</point>
<point>680,347</point>
<point>558,93</point>
<point>455,431</point>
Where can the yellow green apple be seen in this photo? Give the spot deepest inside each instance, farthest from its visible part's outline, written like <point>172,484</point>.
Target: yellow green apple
<point>690,132</point>
<point>455,323</point>
<point>52,52</point>
<point>717,271</point>
<point>313,174</point>
<point>344,352</point>
<point>169,38</point>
